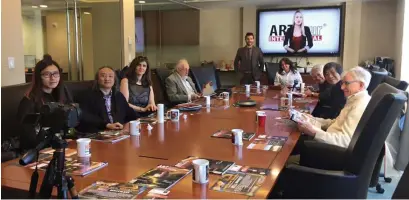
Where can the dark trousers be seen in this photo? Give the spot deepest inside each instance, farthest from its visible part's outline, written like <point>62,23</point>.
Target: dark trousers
<point>247,78</point>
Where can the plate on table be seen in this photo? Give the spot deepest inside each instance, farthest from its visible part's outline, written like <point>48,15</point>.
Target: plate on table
<point>246,103</point>
<point>189,107</point>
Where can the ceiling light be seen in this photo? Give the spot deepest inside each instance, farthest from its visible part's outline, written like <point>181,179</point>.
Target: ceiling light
<point>34,6</point>
<point>87,13</point>
<point>43,6</point>
<point>142,2</point>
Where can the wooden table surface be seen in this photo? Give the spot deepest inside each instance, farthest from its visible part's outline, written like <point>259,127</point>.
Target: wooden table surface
<point>171,142</point>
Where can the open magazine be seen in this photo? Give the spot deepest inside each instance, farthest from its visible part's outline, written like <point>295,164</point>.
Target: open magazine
<point>239,183</point>
<point>106,190</point>
<point>300,117</point>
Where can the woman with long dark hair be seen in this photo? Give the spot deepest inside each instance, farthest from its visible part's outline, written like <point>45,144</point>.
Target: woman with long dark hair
<point>298,35</point>
<point>137,86</point>
<point>287,74</point>
<point>47,86</point>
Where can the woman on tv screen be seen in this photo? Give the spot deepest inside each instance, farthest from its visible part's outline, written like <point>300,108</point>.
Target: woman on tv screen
<point>297,36</point>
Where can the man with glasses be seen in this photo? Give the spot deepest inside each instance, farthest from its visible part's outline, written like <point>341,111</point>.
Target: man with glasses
<point>179,86</point>
<point>339,131</point>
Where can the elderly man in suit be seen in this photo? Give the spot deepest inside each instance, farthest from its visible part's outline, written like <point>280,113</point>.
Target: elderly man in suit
<point>249,61</point>
<point>179,86</point>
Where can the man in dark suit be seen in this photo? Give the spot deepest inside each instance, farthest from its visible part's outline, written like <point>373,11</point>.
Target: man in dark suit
<point>179,86</point>
<point>249,61</point>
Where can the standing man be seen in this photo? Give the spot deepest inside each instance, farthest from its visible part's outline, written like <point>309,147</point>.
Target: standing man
<point>249,61</point>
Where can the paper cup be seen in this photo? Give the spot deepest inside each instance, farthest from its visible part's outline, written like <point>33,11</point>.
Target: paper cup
<point>238,136</point>
<point>84,147</point>
<point>207,101</point>
<point>257,84</point>
<point>258,113</point>
<point>135,127</point>
<point>200,171</point>
<point>247,88</point>
<point>262,119</point>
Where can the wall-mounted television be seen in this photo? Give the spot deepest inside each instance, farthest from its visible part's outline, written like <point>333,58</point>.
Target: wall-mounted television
<point>314,31</point>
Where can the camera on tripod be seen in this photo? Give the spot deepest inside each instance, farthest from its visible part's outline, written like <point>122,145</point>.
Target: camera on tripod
<point>58,118</point>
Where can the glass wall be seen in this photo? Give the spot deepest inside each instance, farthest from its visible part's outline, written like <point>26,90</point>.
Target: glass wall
<point>167,32</point>
<point>80,40</point>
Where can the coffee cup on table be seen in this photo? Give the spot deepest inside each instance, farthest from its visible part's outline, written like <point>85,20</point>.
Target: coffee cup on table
<point>237,136</point>
<point>135,127</point>
<point>173,114</point>
<point>84,147</point>
<point>200,171</point>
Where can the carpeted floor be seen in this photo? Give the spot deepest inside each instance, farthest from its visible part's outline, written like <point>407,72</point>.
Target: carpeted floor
<point>389,189</point>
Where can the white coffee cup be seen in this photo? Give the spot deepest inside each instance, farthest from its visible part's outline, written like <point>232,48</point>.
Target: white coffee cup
<point>247,88</point>
<point>225,95</point>
<point>173,114</point>
<point>135,127</point>
<point>290,99</point>
<point>302,88</point>
<point>257,84</point>
<point>200,171</point>
<point>238,136</point>
<point>84,147</point>
<point>207,101</point>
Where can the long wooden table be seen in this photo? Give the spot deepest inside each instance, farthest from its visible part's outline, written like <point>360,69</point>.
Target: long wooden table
<point>171,142</point>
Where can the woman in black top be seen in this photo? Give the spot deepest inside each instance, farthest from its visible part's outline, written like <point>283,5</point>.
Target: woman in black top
<point>297,36</point>
<point>137,87</point>
<point>104,107</point>
<point>332,99</point>
<point>45,87</point>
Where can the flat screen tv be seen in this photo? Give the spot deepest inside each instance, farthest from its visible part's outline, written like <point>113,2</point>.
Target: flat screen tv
<point>300,32</point>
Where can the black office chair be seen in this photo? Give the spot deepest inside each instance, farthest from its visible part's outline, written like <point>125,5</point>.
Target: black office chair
<point>401,191</point>
<point>272,69</point>
<point>328,171</point>
<point>401,85</point>
<point>378,77</point>
<point>203,75</point>
<point>162,74</point>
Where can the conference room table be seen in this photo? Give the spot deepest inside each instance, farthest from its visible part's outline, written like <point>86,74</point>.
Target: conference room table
<point>168,143</point>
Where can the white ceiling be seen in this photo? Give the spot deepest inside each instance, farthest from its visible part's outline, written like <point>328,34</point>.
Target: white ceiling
<point>179,4</point>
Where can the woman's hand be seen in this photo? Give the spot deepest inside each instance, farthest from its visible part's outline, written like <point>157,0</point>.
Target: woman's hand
<point>289,49</point>
<point>114,126</point>
<point>151,107</point>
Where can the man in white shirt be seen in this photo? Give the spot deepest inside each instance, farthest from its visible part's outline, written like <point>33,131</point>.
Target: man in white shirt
<point>179,86</point>
<point>339,131</point>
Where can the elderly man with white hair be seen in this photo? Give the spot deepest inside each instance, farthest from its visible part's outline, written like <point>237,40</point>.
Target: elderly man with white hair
<point>179,86</point>
<point>317,74</point>
<point>339,131</point>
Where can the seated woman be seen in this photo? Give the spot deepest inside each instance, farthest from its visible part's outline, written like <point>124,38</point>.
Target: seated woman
<point>287,74</point>
<point>317,74</point>
<point>104,107</point>
<point>340,130</point>
<point>137,87</point>
<point>46,87</point>
<point>331,99</point>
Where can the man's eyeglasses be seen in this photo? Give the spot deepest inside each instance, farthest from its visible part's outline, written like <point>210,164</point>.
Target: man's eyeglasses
<point>348,82</point>
<point>49,74</point>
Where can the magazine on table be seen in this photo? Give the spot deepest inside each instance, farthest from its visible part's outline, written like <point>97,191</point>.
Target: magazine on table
<point>228,135</point>
<point>72,166</point>
<point>247,169</point>
<point>110,136</point>
<point>162,176</point>
<point>239,183</point>
<point>268,143</point>
<point>217,167</point>
<point>107,190</point>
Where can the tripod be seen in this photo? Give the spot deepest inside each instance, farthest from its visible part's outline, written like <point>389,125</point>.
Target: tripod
<point>55,175</point>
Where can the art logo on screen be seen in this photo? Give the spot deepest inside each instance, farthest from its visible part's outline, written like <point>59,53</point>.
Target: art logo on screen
<point>277,32</point>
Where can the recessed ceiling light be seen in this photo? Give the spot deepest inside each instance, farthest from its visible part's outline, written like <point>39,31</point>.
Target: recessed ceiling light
<point>34,6</point>
<point>142,2</point>
<point>43,6</point>
<point>87,13</point>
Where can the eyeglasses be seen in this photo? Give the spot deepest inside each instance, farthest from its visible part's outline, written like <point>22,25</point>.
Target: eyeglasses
<point>49,74</point>
<point>348,82</point>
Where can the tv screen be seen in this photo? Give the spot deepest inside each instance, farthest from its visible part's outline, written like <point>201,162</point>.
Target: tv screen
<point>300,32</point>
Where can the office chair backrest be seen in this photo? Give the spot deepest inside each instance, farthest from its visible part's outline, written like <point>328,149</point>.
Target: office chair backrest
<point>401,85</point>
<point>272,69</point>
<point>162,74</point>
<point>371,132</point>
<point>376,79</point>
<point>401,191</point>
<point>204,74</point>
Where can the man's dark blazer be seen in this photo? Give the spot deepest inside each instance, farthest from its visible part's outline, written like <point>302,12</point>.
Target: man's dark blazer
<point>255,65</point>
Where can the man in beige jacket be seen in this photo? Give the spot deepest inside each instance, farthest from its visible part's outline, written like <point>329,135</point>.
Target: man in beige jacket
<point>339,131</point>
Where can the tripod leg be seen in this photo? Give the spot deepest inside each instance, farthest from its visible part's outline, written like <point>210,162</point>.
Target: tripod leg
<point>71,187</point>
<point>63,189</point>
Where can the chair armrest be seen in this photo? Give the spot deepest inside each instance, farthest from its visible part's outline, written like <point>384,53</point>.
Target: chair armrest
<point>305,182</point>
<point>322,156</point>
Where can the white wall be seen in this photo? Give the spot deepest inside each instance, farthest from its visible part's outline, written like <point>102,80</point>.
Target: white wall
<point>404,67</point>
<point>33,40</point>
<point>12,42</point>
<point>400,14</point>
